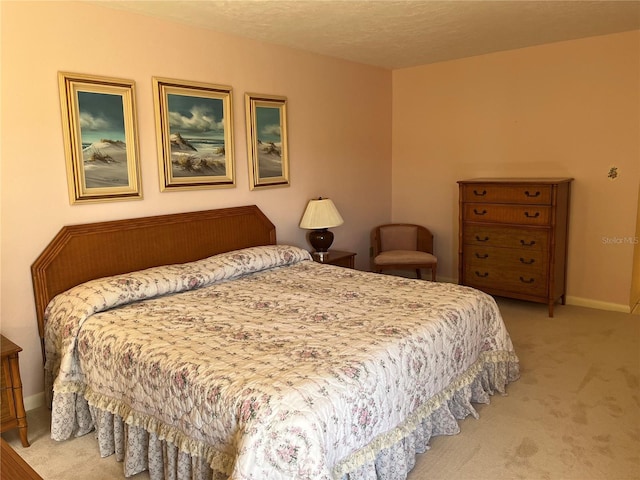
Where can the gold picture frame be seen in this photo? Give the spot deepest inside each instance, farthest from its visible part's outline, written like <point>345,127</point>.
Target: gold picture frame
<point>194,130</point>
<point>267,146</point>
<point>100,138</point>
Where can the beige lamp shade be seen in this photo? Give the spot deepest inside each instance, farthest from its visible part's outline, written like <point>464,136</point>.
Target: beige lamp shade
<point>321,213</point>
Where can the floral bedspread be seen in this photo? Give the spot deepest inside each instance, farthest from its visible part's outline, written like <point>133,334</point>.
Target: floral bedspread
<point>267,364</point>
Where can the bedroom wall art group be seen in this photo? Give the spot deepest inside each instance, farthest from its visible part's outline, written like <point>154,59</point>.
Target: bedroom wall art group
<point>194,128</point>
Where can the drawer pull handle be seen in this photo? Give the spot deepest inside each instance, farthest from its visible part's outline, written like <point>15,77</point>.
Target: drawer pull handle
<point>527,262</point>
<point>527,244</point>
<point>484,255</point>
<point>485,239</point>
<point>480,194</point>
<point>529,215</point>
<point>483,212</point>
<point>531,195</point>
<point>482,275</point>
<point>531,280</point>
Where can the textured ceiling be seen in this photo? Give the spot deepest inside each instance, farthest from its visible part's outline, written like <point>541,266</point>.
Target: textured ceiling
<point>398,33</point>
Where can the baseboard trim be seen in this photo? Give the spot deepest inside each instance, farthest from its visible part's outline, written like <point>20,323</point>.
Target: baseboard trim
<point>34,401</point>
<point>580,302</point>
<point>587,302</point>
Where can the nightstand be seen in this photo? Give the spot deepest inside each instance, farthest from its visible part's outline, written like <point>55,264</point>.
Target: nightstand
<point>12,404</point>
<point>336,257</point>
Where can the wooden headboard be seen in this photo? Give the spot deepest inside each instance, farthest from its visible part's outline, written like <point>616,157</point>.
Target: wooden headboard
<point>79,253</point>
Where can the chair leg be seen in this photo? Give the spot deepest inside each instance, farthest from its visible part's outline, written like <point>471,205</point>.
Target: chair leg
<point>419,273</point>
<point>433,273</point>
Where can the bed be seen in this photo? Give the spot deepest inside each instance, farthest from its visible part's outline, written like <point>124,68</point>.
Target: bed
<point>196,347</point>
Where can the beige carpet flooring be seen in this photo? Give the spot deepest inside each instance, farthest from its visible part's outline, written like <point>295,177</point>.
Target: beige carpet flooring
<point>573,415</point>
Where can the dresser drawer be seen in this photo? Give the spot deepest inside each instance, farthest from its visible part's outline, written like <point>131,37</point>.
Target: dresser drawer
<point>510,237</point>
<point>525,261</point>
<point>514,280</point>
<point>7,405</point>
<point>6,393</point>
<point>515,214</point>
<point>522,194</point>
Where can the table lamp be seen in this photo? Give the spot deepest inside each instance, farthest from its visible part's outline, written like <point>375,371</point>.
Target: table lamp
<point>320,215</point>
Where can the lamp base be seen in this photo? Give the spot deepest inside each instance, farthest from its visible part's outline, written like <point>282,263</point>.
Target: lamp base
<point>321,239</point>
<point>320,256</point>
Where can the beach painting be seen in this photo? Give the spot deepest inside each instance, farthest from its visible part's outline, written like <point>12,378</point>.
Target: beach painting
<point>100,133</point>
<point>195,141</point>
<point>266,117</point>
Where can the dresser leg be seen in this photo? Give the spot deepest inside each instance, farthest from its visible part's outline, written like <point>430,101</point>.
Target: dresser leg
<point>551,309</point>
<point>23,435</point>
<point>21,415</point>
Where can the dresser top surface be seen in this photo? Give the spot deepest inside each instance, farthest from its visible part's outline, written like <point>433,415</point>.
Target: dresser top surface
<point>8,347</point>
<point>521,180</point>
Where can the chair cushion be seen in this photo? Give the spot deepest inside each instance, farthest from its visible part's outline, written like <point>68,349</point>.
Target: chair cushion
<point>399,257</point>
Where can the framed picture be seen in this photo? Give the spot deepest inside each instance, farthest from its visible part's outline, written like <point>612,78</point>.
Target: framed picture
<point>267,140</point>
<point>100,138</point>
<point>195,140</point>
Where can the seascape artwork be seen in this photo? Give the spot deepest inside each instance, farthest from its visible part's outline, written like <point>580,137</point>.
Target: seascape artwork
<point>197,136</point>
<point>103,138</point>
<point>100,138</point>
<point>269,129</point>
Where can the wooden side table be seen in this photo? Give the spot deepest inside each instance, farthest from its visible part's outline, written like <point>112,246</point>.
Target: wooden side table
<point>336,257</point>
<point>12,404</point>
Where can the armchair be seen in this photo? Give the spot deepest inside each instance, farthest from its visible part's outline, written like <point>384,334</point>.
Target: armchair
<point>403,246</point>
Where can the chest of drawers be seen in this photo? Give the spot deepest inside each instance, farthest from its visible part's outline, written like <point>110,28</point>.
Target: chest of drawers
<point>513,237</point>
<point>11,402</point>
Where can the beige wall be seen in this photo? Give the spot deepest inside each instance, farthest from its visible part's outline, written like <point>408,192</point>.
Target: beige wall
<point>339,134</point>
<point>563,109</point>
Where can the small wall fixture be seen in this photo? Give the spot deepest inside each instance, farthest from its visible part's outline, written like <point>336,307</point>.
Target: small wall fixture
<point>320,215</point>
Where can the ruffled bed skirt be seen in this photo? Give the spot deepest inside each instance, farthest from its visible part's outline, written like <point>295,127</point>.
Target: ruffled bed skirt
<point>390,456</point>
